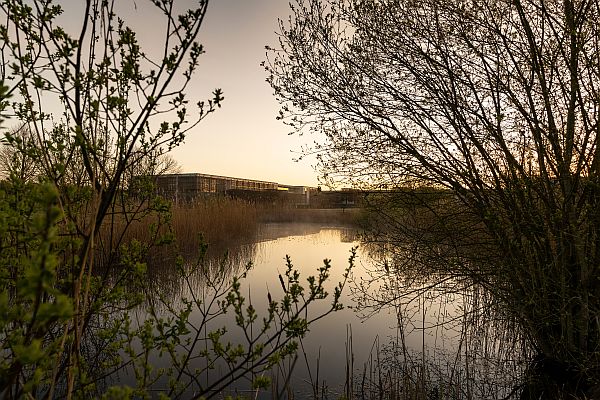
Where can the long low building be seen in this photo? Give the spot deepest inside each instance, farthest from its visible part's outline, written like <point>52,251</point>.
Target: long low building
<point>188,187</point>
<point>185,187</point>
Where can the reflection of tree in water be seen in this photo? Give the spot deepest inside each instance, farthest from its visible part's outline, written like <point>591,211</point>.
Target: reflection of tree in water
<point>452,340</point>
<point>197,328</point>
<point>348,235</point>
<point>172,277</point>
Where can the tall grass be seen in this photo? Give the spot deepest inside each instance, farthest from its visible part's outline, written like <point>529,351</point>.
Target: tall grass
<point>223,221</point>
<point>473,357</point>
<point>216,221</point>
<point>220,220</point>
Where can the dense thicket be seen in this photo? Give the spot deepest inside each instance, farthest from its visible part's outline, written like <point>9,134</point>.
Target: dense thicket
<point>498,101</point>
<point>94,111</point>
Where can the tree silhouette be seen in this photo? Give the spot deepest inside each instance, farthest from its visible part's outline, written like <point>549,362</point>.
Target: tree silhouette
<point>497,101</point>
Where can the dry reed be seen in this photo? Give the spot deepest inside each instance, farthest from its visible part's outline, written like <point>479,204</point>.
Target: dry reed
<point>220,220</point>
<point>217,221</point>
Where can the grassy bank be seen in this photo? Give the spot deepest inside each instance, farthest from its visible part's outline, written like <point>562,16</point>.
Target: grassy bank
<point>222,222</point>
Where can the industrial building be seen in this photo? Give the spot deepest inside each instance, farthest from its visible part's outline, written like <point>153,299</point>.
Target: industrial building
<point>186,187</point>
<point>182,188</point>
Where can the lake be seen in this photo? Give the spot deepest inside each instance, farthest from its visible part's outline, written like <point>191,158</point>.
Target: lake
<point>379,339</point>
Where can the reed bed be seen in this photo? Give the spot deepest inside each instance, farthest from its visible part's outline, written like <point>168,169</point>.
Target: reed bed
<point>220,220</point>
<point>216,221</point>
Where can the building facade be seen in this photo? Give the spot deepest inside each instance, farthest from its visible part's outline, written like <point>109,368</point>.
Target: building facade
<point>186,187</point>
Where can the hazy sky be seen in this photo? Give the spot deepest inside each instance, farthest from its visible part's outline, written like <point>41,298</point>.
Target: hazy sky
<point>242,139</point>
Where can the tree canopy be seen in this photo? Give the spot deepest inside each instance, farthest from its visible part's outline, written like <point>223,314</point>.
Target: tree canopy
<point>498,101</point>
<point>95,106</point>
<point>464,94</point>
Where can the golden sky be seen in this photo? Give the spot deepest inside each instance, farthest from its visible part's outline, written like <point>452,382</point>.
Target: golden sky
<point>242,139</point>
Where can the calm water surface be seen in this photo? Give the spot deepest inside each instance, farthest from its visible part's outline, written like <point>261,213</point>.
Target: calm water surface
<point>327,344</point>
<point>345,336</point>
<point>308,245</point>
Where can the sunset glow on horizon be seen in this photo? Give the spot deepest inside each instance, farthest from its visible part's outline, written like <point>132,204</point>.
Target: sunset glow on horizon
<point>242,139</point>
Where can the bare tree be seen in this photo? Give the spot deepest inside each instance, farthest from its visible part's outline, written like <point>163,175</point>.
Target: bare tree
<point>498,101</point>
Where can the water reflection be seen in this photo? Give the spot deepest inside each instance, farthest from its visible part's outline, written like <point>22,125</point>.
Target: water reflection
<point>398,331</point>
<point>164,270</point>
<point>452,336</point>
<point>274,231</point>
<point>173,277</point>
<point>197,287</point>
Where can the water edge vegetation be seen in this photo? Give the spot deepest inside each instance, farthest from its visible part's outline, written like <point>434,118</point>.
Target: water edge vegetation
<point>69,278</point>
